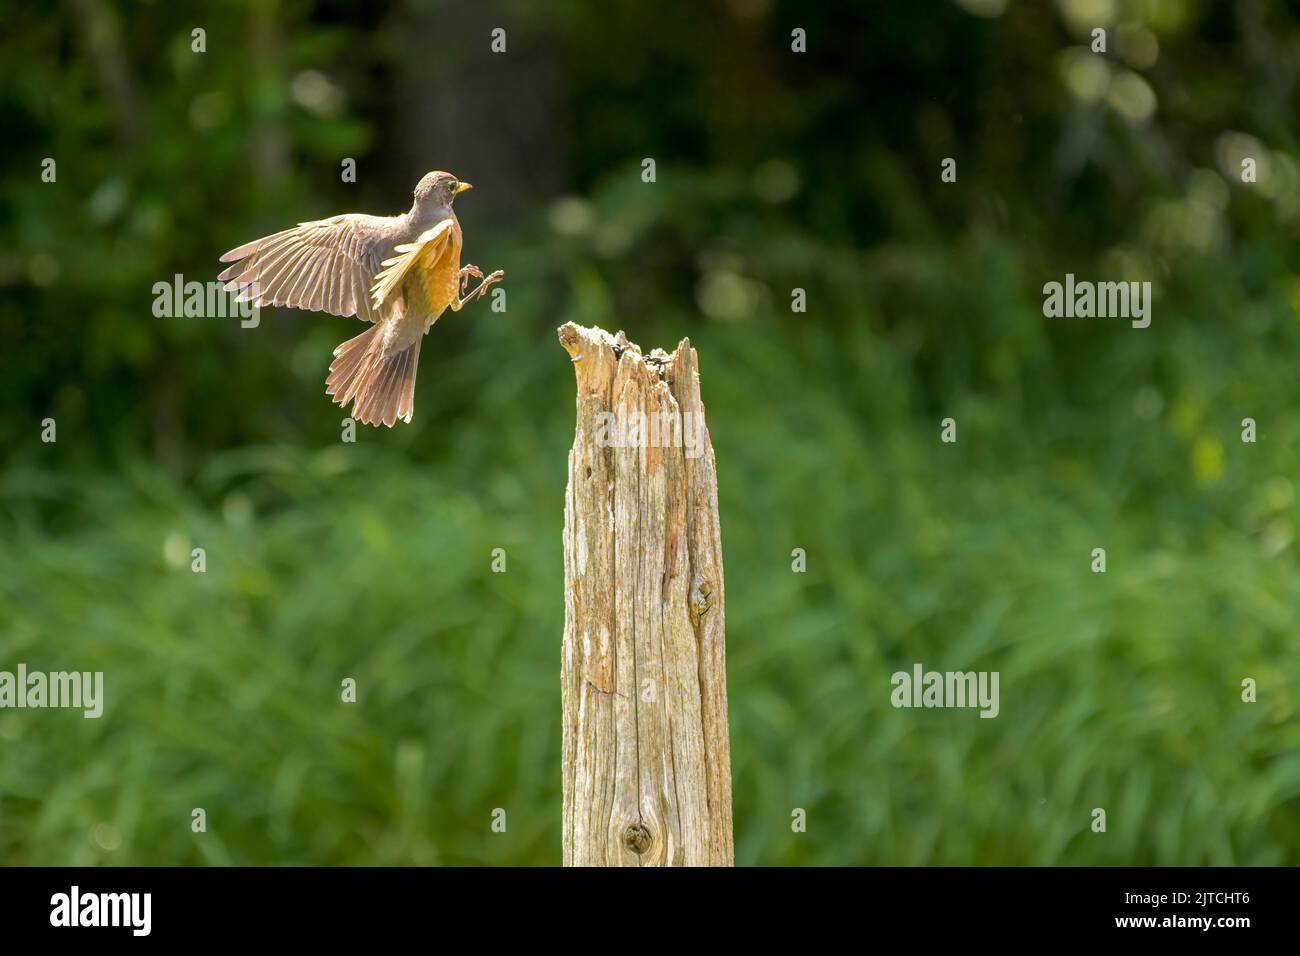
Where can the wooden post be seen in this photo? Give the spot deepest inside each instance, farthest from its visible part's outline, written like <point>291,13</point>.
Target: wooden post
<point>646,754</point>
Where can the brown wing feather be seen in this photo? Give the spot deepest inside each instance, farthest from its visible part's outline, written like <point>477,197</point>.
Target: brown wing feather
<point>322,266</point>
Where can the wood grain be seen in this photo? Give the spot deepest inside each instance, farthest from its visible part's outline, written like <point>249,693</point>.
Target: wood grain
<point>646,752</point>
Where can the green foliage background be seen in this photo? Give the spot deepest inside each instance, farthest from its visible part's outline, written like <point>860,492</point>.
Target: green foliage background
<point>775,170</point>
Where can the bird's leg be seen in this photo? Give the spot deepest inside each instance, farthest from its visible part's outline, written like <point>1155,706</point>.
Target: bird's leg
<point>465,272</point>
<point>483,287</point>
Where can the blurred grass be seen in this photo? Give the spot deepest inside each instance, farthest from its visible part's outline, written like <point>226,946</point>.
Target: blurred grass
<point>1119,690</point>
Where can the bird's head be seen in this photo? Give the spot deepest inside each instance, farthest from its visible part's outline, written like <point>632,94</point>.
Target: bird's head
<point>438,189</point>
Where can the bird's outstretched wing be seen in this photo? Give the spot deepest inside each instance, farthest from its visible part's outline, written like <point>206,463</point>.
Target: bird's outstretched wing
<point>418,258</point>
<point>327,265</point>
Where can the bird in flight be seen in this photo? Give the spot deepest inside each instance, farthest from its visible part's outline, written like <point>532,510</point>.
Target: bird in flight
<point>399,273</point>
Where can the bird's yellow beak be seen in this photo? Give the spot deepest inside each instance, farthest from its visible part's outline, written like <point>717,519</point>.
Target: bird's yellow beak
<point>462,187</point>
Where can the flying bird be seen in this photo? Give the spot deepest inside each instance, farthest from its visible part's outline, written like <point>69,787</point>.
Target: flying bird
<point>398,272</point>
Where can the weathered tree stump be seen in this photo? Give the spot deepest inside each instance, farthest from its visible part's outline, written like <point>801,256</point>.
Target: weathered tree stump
<point>646,753</point>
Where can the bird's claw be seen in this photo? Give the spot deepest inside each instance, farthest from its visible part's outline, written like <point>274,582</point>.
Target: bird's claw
<point>465,272</point>
<point>482,286</point>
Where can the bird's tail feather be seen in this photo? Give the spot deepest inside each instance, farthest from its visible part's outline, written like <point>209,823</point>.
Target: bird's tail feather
<point>382,389</point>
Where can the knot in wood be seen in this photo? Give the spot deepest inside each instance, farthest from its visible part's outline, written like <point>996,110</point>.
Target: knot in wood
<point>637,838</point>
<point>701,597</point>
